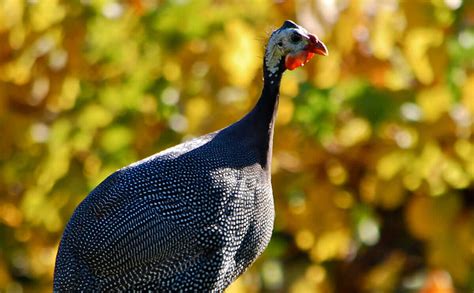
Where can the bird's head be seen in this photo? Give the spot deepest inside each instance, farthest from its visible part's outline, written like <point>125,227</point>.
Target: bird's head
<point>293,45</point>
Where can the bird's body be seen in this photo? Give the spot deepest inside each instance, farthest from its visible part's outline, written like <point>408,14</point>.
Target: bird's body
<point>186,212</point>
<point>192,217</point>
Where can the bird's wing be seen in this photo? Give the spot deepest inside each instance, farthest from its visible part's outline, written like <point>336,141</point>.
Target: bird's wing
<point>119,229</point>
<point>148,212</point>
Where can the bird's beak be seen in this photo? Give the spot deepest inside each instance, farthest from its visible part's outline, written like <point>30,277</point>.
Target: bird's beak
<point>316,46</point>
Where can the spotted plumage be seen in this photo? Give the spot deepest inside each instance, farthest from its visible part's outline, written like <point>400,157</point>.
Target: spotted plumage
<point>191,218</point>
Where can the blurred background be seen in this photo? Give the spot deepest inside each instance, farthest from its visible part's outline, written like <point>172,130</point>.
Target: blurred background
<point>373,167</point>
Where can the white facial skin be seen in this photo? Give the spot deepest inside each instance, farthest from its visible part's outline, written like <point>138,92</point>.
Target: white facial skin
<point>282,43</point>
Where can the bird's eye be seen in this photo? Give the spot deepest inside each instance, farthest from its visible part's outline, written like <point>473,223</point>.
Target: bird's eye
<point>295,38</point>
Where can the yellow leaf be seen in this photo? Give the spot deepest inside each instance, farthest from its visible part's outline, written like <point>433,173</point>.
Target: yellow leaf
<point>11,13</point>
<point>289,85</point>
<point>69,92</point>
<point>304,239</point>
<point>45,13</point>
<point>94,116</point>
<point>391,164</point>
<point>285,111</point>
<point>417,42</point>
<point>468,94</point>
<point>431,217</point>
<point>354,131</point>
<point>331,245</point>
<point>434,102</point>
<point>240,52</point>
<point>328,69</point>
<point>197,110</point>
<point>383,35</point>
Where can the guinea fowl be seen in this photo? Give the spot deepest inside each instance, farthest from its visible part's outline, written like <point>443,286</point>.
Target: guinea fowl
<point>192,217</point>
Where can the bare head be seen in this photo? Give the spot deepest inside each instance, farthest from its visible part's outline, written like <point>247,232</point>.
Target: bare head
<point>293,44</point>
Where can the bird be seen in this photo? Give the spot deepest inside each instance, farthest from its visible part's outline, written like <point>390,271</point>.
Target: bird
<point>191,218</point>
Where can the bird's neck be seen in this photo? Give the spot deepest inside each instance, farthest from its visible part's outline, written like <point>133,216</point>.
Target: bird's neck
<point>260,121</point>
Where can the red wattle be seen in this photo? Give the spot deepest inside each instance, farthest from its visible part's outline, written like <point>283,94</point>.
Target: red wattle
<point>294,61</point>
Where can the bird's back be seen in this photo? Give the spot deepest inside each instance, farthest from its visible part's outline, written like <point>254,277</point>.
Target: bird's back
<point>192,217</point>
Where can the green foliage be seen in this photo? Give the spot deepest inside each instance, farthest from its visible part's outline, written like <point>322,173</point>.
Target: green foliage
<point>315,111</point>
<point>373,167</point>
